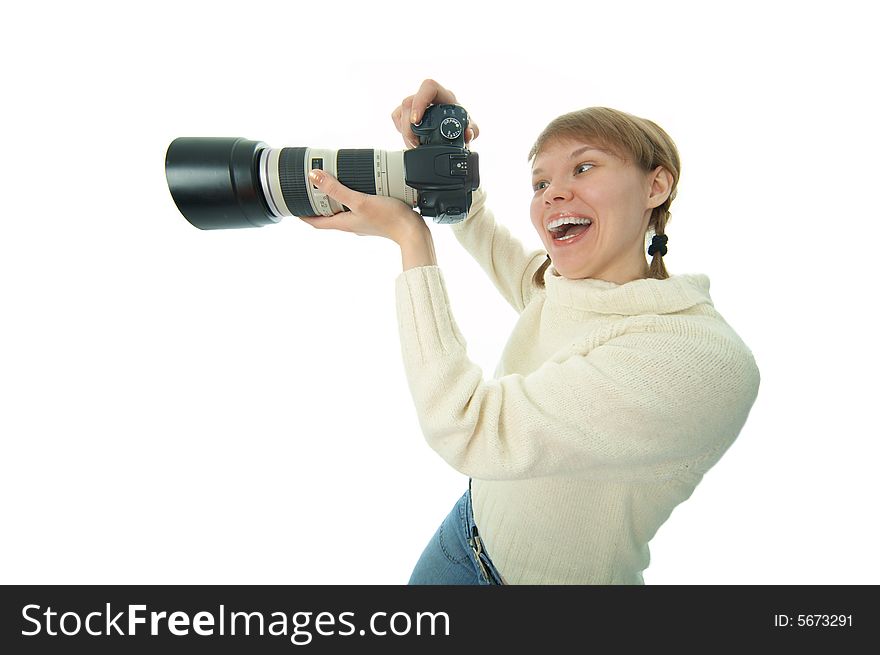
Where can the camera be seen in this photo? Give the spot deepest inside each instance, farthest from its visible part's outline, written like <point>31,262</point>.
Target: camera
<point>221,183</point>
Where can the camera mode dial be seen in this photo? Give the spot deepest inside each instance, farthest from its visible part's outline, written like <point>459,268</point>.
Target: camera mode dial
<point>451,128</point>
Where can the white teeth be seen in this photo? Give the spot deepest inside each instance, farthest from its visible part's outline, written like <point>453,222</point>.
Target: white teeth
<point>567,220</point>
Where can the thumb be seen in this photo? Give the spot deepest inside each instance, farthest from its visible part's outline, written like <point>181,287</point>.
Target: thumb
<point>335,189</point>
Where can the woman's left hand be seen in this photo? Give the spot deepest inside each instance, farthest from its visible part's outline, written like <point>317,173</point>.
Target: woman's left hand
<point>370,215</point>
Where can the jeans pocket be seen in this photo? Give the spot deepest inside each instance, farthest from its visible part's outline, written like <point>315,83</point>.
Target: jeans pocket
<point>449,541</point>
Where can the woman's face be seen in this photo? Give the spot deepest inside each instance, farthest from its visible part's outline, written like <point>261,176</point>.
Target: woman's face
<point>573,179</point>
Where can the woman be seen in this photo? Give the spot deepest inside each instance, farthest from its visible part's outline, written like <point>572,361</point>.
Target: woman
<point>619,387</point>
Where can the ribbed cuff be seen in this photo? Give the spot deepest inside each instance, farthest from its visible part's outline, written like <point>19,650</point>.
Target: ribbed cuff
<point>427,328</point>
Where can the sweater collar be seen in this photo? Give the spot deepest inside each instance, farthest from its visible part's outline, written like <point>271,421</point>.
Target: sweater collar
<point>646,296</point>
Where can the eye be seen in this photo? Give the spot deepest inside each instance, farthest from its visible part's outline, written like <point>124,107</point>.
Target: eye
<point>580,168</point>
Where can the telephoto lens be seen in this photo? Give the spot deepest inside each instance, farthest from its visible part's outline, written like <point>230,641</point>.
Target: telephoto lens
<point>222,183</point>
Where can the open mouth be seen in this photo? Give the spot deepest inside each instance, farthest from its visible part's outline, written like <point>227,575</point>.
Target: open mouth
<point>569,230</point>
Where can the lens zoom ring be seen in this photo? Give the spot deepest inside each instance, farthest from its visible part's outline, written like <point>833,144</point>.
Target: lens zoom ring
<point>293,182</point>
<point>356,170</point>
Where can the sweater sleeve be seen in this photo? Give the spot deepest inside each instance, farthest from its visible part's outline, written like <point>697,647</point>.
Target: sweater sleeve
<point>638,404</point>
<point>501,255</point>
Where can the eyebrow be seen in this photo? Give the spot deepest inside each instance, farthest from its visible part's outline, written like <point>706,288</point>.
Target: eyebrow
<point>577,152</point>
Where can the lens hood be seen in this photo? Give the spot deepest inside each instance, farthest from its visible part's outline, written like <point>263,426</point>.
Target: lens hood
<point>215,182</point>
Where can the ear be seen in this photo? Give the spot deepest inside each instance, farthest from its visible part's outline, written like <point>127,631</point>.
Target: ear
<point>660,186</point>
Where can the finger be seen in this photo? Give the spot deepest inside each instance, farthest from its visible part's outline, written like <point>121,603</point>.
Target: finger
<point>410,138</point>
<point>472,133</point>
<point>430,92</point>
<point>336,189</point>
<point>401,122</point>
<point>402,113</point>
<point>324,222</point>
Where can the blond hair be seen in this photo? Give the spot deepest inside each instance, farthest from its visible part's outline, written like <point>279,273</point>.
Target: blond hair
<point>640,140</point>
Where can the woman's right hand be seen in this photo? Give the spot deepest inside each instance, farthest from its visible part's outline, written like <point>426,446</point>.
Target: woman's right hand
<point>413,108</point>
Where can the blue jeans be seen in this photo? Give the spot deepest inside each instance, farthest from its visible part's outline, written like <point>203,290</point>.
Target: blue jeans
<point>455,555</point>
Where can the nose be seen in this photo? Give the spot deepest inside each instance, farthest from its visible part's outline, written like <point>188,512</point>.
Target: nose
<point>556,191</point>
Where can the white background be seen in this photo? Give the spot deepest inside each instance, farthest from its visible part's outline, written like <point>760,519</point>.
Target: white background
<point>180,406</point>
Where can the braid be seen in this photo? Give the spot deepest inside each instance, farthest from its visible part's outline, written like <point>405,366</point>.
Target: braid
<point>538,277</point>
<point>657,249</point>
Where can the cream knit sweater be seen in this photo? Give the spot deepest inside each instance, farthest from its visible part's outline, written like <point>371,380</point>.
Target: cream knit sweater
<point>609,404</point>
